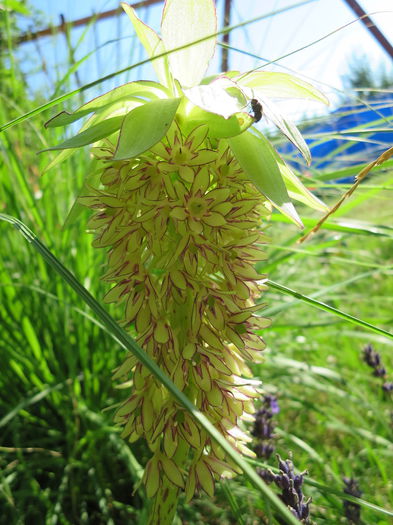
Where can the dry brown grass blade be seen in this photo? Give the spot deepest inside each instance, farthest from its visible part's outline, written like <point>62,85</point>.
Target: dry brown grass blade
<point>359,178</point>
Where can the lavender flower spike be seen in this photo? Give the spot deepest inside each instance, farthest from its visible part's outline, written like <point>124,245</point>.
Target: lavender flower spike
<point>291,486</point>
<point>373,360</point>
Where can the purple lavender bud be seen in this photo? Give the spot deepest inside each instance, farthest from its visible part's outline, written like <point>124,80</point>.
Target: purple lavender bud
<point>298,481</point>
<point>284,466</point>
<point>267,475</point>
<point>284,482</point>
<point>264,427</point>
<point>272,403</point>
<point>380,371</point>
<point>352,510</point>
<point>263,450</point>
<point>291,486</point>
<point>387,387</point>
<point>373,360</point>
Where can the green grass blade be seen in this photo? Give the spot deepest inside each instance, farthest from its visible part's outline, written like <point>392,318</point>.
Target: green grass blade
<point>231,498</point>
<point>345,226</point>
<point>325,307</point>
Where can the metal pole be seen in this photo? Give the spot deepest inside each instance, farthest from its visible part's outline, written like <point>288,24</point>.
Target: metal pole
<point>27,37</point>
<point>380,37</point>
<point>225,38</point>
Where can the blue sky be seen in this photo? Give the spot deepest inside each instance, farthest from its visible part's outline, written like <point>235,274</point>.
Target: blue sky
<point>324,63</point>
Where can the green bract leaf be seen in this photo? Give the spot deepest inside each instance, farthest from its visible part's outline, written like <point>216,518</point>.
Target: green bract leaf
<point>222,97</point>
<point>144,126</point>
<point>280,85</point>
<point>126,93</point>
<point>296,188</point>
<point>60,157</point>
<point>152,43</point>
<point>108,111</point>
<point>185,22</point>
<point>286,126</point>
<point>256,157</point>
<point>92,134</point>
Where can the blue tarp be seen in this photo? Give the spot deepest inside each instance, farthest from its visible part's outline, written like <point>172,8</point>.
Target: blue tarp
<point>351,147</point>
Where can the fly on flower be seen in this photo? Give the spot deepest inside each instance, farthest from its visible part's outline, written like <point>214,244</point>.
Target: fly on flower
<point>256,108</point>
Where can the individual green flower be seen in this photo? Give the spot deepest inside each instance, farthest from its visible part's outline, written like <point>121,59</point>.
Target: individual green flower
<point>182,154</point>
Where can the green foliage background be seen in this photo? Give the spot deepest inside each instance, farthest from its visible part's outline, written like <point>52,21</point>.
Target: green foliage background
<point>61,458</point>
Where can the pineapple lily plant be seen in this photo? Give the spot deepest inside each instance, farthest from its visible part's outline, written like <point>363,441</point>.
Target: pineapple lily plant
<point>179,188</point>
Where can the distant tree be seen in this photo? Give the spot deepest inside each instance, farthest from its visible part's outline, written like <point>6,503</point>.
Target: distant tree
<point>363,76</point>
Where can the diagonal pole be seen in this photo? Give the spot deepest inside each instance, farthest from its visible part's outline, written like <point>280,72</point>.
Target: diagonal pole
<point>371,26</point>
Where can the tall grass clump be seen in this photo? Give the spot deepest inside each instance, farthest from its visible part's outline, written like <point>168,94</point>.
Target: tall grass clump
<point>61,458</point>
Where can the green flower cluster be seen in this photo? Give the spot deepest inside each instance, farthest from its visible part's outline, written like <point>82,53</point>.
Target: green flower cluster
<point>182,227</point>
